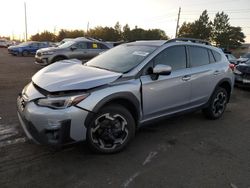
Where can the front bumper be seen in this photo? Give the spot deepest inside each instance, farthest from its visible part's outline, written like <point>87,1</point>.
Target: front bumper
<point>49,126</point>
<point>13,52</point>
<point>41,61</point>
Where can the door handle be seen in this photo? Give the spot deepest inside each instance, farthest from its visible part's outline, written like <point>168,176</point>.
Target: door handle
<point>186,78</point>
<point>216,72</point>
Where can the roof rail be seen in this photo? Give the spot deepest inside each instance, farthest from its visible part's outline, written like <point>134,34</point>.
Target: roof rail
<point>189,40</point>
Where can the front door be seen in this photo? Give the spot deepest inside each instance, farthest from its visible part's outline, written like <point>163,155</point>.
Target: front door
<point>167,94</point>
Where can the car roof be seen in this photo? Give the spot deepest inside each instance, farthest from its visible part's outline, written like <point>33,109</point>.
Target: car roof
<point>155,43</point>
<point>83,39</point>
<point>158,43</point>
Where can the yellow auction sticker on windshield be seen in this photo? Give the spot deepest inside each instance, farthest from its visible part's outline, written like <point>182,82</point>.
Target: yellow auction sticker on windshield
<point>94,45</point>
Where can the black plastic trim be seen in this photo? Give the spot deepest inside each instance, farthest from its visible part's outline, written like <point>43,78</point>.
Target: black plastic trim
<point>116,96</point>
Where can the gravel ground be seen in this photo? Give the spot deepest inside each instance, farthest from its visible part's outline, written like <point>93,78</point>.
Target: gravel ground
<point>185,152</point>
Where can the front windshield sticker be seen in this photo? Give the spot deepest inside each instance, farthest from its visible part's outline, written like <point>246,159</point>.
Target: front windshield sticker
<point>140,53</point>
<point>94,45</point>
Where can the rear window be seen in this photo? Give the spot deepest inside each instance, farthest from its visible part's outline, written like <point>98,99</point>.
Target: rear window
<point>211,57</point>
<point>198,56</point>
<point>217,56</point>
<point>93,45</point>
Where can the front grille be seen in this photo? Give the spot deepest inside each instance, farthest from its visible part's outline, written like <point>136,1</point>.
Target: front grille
<point>22,101</point>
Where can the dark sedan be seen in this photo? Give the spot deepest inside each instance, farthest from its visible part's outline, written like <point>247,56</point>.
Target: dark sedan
<point>242,74</point>
<point>27,48</point>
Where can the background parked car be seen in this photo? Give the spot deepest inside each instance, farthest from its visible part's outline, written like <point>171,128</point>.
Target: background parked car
<point>242,74</point>
<point>27,48</point>
<point>244,58</point>
<point>5,43</point>
<point>79,48</point>
<point>231,58</point>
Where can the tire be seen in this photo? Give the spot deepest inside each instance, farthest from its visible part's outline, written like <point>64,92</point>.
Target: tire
<point>111,129</point>
<point>25,53</point>
<point>217,104</point>
<point>59,58</point>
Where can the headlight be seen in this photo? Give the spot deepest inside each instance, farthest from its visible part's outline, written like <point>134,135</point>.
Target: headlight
<point>25,88</point>
<point>236,71</point>
<point>47,53</point>
<point>61,102</point>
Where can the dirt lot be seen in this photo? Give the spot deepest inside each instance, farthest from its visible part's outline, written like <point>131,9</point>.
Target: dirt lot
<point>188,151</point>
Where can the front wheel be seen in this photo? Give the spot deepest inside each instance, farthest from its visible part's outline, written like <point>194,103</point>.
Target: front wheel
<point>217,104</point>
<point>111,129</point>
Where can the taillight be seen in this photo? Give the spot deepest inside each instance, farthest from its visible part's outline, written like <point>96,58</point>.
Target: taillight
<point>232,66</point>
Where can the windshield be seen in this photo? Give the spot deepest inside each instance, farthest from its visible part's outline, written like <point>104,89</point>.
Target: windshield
<point>121,58</point>
<point>246,55</point>
<point>66,44</point>
<point>24,44</point>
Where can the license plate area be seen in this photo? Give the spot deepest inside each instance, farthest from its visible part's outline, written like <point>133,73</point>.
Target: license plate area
<point>246,81</point>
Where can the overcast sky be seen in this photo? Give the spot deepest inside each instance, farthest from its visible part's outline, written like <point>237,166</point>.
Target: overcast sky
<point>54,15</point>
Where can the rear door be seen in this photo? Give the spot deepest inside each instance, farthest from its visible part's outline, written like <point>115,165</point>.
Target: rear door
<point>94,49</point>
<point>168,93</point>
<point>201,72</point>
<point>33,47</point>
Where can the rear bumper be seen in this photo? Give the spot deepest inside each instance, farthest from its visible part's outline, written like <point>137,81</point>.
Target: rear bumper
<point>242,81</point>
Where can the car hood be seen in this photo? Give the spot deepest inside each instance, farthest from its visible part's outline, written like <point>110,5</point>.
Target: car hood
<point>48,49</point>
<point>242,59</point>
<point>244,68</point>
<point>13,47</point>
<point>72,75</point>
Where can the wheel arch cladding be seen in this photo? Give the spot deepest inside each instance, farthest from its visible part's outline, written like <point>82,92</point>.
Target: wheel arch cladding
<point>226,84</point>
<point>125,99</point>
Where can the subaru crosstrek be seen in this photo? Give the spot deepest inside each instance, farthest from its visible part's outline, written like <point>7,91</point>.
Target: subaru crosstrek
<point>106,99</point>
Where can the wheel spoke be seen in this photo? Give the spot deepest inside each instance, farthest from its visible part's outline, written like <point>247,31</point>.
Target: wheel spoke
<point>219,104</point>
<point>110,131</point>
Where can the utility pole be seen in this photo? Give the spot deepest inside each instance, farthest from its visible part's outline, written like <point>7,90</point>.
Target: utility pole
<point>177,26</point>
<point>25,17</point>
<point>87,28</point>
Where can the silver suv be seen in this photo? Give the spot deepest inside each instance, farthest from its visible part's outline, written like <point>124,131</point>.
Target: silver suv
<point>79,48</point>
<point>105,100</point>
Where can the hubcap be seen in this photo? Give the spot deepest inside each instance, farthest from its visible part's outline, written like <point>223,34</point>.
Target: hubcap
<point>109,131</point>
<point>219,103</point>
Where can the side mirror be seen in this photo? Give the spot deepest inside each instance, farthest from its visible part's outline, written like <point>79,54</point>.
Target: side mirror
<point>73,48</point>
<point>162,69</point>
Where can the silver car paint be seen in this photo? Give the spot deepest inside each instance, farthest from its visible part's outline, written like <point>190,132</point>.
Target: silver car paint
<point>79,53</point>
<point>72,75</point>
<point>167,95</point>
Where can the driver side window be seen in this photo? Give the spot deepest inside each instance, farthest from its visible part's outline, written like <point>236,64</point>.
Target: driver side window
<point>174,56</point>
<point>81,45</point>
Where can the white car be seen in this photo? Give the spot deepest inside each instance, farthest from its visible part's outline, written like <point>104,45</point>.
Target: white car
<point>5,43</point>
